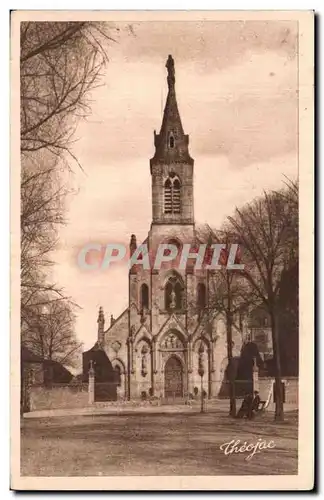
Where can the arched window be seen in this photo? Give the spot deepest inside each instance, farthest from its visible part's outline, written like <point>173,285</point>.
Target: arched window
<point>117,371</point>
<point>171,139</point>
<point>201,296</point>
<point>144,296</point>
<point>172,196</point>
<point>176,197</point>
<point>168,196</point>
<point>174,294</point>
<point>174,242</point>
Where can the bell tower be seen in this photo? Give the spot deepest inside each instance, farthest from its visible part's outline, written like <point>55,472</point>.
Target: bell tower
<point>171,165</point>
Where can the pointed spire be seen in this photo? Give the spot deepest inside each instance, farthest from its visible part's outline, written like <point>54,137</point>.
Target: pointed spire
<point>132,244</point>
<point>171,71</point>
<point>132,248</point>
<point>101,325</point>
<point>171,144</point>
<point>101,317</point>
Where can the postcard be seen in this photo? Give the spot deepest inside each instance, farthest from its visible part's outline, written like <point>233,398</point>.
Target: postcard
<point>162,236</point>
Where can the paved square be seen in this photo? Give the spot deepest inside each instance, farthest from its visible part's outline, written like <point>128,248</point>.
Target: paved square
<point>154,444</point>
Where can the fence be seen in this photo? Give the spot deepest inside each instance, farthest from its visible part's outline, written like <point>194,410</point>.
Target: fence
<point>81,395</point>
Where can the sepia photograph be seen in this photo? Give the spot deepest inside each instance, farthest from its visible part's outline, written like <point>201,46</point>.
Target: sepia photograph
<point>161,241</point>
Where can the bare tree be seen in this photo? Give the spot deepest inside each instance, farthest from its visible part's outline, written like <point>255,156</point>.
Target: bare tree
<point>60,64</point>
<point>267,231</point>
<point>42,207</point>
<point>50,333</point>
<point>230,295</point>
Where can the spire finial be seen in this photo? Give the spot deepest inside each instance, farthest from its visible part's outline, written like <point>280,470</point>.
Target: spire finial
<point>171,144</point>
<point>101,315</point>
<point>101,325</point>
<point>132,244</point>
<point>171,72</point>
<point>112,320</point>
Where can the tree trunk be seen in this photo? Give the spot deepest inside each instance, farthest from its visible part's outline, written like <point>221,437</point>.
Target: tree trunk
<point>231,374</point>
<point>279,410</point>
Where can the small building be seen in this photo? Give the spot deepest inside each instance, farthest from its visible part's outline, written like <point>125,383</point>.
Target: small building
<point>106,378</point>
<point>31,371</point>
<point>56,373</point>
<point>36,371</point>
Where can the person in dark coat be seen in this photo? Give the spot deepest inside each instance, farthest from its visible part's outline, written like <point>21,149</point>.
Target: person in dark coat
<point>256,401</point>
<point>246,407</point>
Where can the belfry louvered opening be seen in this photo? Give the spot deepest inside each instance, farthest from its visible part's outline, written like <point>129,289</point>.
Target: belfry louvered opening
<point>172,196</point>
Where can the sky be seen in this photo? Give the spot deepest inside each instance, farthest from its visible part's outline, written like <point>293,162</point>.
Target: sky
<point>236,85</point>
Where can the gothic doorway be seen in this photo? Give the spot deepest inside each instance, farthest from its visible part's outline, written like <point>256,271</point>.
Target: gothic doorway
<point>173,378</point>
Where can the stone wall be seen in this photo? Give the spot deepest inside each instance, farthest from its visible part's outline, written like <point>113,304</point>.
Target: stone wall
<point>58,396</point>
<point>291,389</point>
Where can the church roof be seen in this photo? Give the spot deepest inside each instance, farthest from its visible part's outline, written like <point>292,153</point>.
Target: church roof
<point>171,144</point>
<point>96,347</point>
<point>117,319</point>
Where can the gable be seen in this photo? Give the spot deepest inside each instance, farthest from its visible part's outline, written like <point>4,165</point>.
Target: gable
<point>172,323</point>
<point>119,329</point>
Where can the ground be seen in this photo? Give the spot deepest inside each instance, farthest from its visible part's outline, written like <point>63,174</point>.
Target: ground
<point>154,444</point>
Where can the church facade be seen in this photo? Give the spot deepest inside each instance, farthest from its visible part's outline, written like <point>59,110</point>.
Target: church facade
<point>157,344</point>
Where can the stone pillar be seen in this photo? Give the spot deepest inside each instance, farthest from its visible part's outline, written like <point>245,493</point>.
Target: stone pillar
<point>190,370</point>
<point>154,356</point>
<point>154,370</point>
<point>130,367</point>
<point>131,353</point>
<point>91,386</point>
<point>101,326</point>
<point>213,360</point>
<point>159,390</point>
<point>125,385</point>
<point>255,376</point>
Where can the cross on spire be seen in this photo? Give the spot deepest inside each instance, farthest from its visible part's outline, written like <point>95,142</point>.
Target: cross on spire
<point>171,72</point>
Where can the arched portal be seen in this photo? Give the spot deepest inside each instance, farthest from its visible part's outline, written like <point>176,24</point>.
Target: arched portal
<point>173,378</point>
<point>120,378</point>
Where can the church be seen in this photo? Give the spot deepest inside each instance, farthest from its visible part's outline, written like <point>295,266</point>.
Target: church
<point>167,331</point>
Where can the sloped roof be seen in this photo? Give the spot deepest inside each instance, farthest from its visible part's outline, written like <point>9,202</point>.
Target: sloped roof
<point>115,321</point>
<point>28,356</point>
